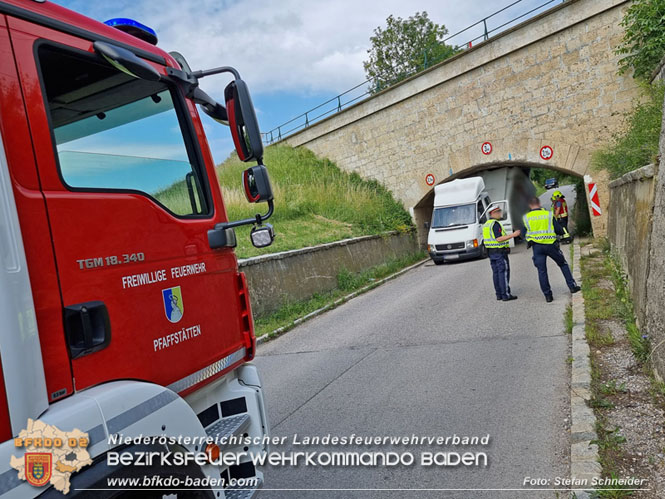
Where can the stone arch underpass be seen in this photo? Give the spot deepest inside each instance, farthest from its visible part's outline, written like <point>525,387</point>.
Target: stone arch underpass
<point>566,158</point>
<point>549,82</point>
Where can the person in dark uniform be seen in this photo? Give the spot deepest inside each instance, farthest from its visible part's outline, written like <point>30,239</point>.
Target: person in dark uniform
<point>497,243</point>
<point>541,233</point>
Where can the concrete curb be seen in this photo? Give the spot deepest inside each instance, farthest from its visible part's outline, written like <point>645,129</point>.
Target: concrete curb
<point>284,329</point>
<point>584,459</point>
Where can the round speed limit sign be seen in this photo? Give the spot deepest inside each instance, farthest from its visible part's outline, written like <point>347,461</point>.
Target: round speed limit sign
<point>546,152</point>
<point>429,179</point>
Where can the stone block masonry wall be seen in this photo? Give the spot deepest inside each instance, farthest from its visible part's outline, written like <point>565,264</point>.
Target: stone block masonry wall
<point>630,225</point>
<point>550,81</point>
<point>296,275</point>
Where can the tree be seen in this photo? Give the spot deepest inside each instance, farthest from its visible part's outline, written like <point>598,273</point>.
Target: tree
<point>644,39</point>
<point>403,47</point>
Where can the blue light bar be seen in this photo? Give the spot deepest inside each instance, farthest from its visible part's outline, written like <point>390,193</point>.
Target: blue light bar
<point>134,28</point>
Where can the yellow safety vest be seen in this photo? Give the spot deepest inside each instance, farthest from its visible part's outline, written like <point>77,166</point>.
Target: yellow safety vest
<point>488,235</point>
<point>539,226</point>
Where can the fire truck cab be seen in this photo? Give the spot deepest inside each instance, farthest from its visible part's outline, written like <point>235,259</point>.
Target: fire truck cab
<point>122,311</point>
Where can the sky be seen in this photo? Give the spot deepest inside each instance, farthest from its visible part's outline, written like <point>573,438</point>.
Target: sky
<point>293,54</point>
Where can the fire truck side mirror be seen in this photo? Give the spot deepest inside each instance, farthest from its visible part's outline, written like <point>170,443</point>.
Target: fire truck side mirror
<point>126,61</point>
<point>262,235</point>
<point>257,186</point>
<point>242,120</point>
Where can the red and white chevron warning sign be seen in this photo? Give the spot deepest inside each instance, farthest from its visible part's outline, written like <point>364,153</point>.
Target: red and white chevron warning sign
<point>593,199</point>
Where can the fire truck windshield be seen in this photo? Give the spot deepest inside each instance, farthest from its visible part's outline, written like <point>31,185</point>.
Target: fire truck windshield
<point>116,132</point>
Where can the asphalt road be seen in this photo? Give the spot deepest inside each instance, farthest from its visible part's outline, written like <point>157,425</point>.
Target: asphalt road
<point>431,353</point>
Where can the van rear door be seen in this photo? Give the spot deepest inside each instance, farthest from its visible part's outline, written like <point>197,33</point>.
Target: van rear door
<point>130,197</point>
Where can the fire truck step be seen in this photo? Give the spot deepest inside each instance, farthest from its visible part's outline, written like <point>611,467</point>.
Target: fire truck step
<point>243,492</point>
<point>226,427</point>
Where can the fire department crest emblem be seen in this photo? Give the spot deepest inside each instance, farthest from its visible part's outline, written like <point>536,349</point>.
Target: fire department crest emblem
<point>173,305</point>
<point>38,468</point>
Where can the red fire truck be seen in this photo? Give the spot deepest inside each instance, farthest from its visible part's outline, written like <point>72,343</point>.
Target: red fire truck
<point>122,310</point>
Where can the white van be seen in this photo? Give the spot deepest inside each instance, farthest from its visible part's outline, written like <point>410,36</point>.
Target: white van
<point>456,229</point>
<point>512,184</point>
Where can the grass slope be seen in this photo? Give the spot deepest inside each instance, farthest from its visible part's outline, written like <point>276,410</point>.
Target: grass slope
<point>315,202</point>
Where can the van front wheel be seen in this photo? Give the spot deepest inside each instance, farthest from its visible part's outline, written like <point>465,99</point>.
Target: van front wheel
<point>483,251</point>
<point>437,261</point>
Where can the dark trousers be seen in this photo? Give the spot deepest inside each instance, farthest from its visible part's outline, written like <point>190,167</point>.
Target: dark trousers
<point>563,222</point>
<point>540,254</point>
<point>500,273</point>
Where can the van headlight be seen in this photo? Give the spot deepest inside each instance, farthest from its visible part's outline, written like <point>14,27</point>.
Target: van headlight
<point>472,244</point>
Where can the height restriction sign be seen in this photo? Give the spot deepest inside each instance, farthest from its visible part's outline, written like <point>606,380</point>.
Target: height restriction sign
<point>546,152</point>
<point>429,179</point>
<point>593,199</point>
<point>486,148</point>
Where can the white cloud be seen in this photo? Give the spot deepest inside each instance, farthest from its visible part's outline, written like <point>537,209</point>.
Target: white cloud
<point>290,45</point>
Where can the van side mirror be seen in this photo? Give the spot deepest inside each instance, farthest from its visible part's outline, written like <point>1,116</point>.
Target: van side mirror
<point>257,184</point>
<point>242,120</point>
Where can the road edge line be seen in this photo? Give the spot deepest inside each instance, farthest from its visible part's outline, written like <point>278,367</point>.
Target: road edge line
<point>584,458</point>
<point>284,329</point>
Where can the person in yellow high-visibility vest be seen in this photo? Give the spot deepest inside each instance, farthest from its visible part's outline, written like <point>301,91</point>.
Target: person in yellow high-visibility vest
<point>560,208</point>
<point>497,243</point>
<point>560,212</point>
<point>541,230</point>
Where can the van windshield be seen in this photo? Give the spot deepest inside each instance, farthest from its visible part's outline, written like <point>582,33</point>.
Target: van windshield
<point>452,216</point>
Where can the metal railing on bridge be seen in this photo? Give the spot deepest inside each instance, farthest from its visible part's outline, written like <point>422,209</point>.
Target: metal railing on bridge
<point>355,94</point>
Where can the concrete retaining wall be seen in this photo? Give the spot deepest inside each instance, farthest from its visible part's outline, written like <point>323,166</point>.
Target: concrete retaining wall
<point>631,216</point>
<point>299,274</point>
<point>655,310</point>
<point>637,232</point>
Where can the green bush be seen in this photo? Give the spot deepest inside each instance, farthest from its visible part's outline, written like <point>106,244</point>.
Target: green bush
<point>638,145</point>
<point>639,343</point>
<point>644,38</point>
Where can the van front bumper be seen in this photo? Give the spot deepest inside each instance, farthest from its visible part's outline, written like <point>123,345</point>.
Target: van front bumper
<point>459,254</point>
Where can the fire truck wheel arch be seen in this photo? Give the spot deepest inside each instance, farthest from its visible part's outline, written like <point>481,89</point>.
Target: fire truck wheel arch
<point>129,408</point>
